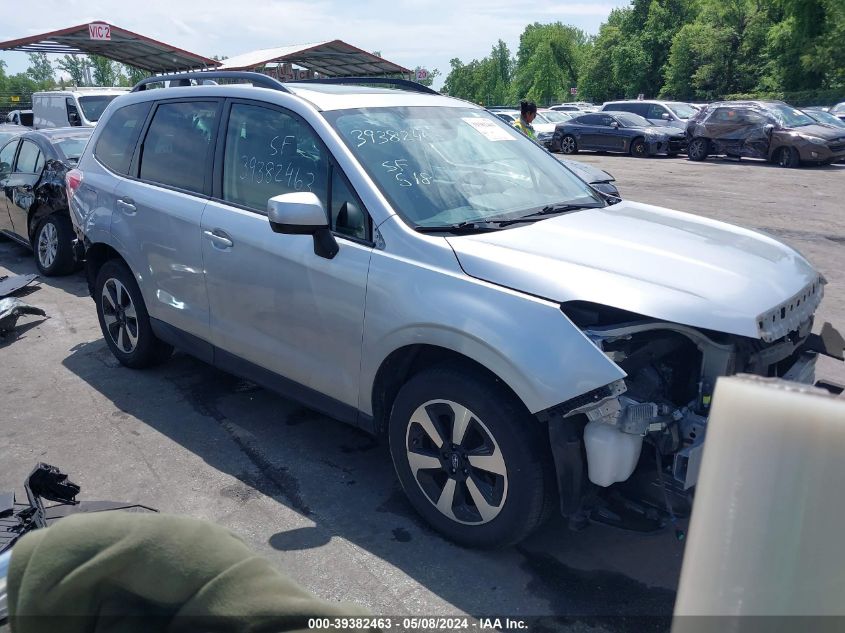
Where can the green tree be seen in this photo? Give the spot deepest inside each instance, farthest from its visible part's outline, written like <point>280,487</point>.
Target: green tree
<point>40,69</point>
<point>75,66</point>
<point>428,80</point>
<point>548,61</point>
<point>105,71</point>
<point>133,74</point>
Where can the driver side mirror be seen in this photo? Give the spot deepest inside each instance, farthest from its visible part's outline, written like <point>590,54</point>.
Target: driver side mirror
<point>665,116</point>
<point>768,129</point>
<point>302,213</point>
<point>615,125</point>
<point>73,119</point>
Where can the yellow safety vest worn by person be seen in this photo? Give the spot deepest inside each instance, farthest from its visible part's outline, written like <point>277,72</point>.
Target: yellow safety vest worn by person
<point>525,128</point>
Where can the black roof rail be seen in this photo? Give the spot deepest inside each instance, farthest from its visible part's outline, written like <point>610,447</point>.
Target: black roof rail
<point>257,79</point>
<point>407,84</point>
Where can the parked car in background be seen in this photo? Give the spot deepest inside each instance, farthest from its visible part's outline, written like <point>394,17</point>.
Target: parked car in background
<point>9,131</point>
<point>664,113</point>
<point>80,107</point>
<point>838,110</point>
<point>33,202</point>
<point>825,118</point>
<point>616,132</point>
<point>544,136</point>
<point>770,130</point>
<point>20,117</point>
<point>575,106</point>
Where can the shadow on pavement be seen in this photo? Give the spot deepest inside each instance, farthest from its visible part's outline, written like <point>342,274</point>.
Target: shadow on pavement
<point>343,481</point>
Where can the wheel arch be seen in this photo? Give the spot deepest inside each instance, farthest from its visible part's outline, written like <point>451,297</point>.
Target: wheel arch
<point>95,256</point>
<point>407,361</point>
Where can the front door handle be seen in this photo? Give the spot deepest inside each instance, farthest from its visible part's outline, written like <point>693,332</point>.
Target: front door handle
<point>219,238</point>
<point>126,204</point>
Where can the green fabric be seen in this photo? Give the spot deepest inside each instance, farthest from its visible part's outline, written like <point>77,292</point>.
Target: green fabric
<point>110,568</point>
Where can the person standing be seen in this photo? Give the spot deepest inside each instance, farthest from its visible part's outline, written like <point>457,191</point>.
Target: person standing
<point>527,114</point>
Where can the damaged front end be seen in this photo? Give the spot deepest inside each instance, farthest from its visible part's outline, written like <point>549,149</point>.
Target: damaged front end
<point>629,453</point>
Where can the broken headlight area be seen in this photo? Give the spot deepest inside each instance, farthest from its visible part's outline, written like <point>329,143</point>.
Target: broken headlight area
<point>643,436</point>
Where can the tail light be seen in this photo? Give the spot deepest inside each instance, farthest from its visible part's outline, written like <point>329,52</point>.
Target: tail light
<point>72,179</point>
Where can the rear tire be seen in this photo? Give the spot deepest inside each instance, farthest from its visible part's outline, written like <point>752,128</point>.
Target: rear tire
<point>124,320</point>
<point>698,149</point>
<point>52,245</point>
<point>568,145</point>
<point>487,484</point>
<point>788,157</point>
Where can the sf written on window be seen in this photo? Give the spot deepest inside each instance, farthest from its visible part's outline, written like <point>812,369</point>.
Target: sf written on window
<point>269,153</point>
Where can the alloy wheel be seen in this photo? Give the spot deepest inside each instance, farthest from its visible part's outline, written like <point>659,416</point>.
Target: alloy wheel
<point>48,244</point>
<point>456,462</point>
<point>119,315</point>
<point>567,145</point>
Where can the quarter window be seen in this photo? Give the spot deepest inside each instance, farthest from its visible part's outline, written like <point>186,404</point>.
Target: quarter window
<point>177,149</point>
<point>269,153</point>
<point>116,143</point>
<point>30,159</point>
<point>7,155</point>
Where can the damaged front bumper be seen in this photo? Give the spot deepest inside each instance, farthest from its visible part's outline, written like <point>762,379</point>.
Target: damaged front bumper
<point>600,438</point>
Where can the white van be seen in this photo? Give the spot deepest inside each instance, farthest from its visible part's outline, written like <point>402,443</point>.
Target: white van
<point>80,107</point>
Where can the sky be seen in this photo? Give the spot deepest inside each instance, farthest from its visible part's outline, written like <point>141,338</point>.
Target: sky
<point>409,32</point>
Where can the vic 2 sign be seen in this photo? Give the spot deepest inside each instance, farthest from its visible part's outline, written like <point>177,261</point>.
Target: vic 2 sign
<point>98,31</point>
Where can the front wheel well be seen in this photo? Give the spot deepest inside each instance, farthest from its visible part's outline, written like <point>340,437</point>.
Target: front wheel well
<point>407,361</point>
<point>95,256</point>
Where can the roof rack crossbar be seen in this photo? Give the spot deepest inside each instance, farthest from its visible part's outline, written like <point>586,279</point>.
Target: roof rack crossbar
<point>390,81</point>
<point>257,79</point>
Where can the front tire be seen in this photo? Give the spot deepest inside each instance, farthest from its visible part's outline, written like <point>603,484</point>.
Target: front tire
<point>639,149</point>
<point>124,320</point>
<point>568,145</point>
<point>698,149</point>
<point>472,461</point>
<point>788,157</point>
<point>52,245</point>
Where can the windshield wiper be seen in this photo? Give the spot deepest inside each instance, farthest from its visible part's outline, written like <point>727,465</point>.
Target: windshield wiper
<point>461,227</point>
<point>552,209</point>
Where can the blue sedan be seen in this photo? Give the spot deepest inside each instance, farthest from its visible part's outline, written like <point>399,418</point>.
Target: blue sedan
<point>617,132</point>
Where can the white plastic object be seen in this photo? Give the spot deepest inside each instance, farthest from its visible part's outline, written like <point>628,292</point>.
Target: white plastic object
<point>611,454</point>
<point>765,538</point>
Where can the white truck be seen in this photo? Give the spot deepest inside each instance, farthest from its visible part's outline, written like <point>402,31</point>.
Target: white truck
<point>78,107</point>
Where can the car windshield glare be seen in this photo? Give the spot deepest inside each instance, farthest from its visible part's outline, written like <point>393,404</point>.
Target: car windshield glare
<point>788,116</point>
<point>633,120</point>
<point>682,110</point>
<point>441,166</point>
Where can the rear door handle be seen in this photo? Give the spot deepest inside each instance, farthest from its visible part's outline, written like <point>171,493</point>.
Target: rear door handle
<point>126,204</point>
<point>219,238</point>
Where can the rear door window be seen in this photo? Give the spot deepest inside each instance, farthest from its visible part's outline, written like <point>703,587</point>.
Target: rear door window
<point>271,152</point>
<point>593,119</point>
<point>178,147</point>
<point>30,159</point>
<point>116,143</point>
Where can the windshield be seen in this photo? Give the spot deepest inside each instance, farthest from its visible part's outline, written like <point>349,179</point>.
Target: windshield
<point>444,166</point>
<point>633,120</point>
<point>788,116</point>
<point>93,106</point>
<point>542,118</point>
<point>557,117</point>
<point>682,110</point>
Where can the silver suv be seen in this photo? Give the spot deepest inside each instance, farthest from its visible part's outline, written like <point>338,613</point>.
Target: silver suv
<point>410,264</point>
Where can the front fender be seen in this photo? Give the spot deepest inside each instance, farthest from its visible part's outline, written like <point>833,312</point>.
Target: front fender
<point>526,341</point>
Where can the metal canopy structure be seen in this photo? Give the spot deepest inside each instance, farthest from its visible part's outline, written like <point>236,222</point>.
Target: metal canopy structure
<point>113,42</point>
<point>334,58</point>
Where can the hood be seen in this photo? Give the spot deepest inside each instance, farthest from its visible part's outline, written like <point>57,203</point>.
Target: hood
<point>585,172</point>
<point>652,261</point>
<point>822,131</point>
